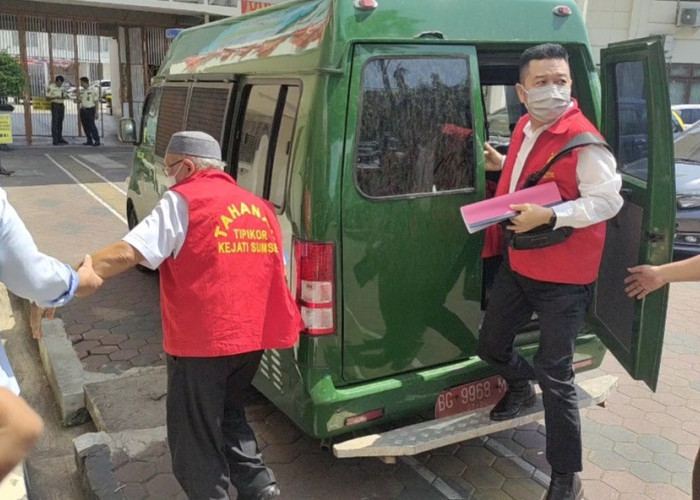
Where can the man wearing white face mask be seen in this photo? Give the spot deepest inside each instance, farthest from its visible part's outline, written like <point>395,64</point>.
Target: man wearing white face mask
<point>552,281</point>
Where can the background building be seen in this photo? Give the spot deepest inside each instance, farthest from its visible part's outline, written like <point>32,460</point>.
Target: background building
<point>679,21</point>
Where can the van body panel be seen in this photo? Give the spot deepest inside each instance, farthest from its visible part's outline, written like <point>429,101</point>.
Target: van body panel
<point>144,191</point>
<point>318,34</point>
<point>642,233</point>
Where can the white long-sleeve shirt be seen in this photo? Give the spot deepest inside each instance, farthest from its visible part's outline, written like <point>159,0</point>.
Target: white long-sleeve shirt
<point>597,178</point>
<point>25,270</point>
<point>28,273</point>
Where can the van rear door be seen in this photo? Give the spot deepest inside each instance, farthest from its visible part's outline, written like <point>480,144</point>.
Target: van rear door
<point>634,85</point>
<point>411,275</point>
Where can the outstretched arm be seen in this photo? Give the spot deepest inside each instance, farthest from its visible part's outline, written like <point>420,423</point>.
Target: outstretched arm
<point>20,427</point>
<point>115,259</point>
<point>31,274</point>
<point>645,279</point>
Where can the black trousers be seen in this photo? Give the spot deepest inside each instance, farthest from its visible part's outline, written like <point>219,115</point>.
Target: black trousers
<point>210,440</point>
<point>58,111</point>
<point>560,309</point>
<point>87,119</point>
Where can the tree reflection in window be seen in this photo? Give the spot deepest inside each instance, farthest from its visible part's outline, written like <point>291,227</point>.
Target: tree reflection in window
<point>415,133</point>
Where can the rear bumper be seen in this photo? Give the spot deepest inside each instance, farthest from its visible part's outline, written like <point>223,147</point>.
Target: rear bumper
<point>321,409</point>
<point>431,434</point>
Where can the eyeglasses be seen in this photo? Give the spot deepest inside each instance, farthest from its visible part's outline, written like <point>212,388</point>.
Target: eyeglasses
<point>166,168</point>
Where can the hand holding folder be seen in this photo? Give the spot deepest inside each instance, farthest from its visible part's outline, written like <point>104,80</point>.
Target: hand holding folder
<point>482,214</point>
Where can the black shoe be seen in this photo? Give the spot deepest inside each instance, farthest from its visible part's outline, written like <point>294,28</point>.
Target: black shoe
<point>62,141</point>
<point>268,492</point>
<point>87,144</point>
<point>6,172</point>
<point>97,144</point>
<point>516,398</point>
<point>565,486</point>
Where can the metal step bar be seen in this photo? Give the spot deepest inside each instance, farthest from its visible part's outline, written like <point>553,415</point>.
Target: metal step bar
<point>431,434</point>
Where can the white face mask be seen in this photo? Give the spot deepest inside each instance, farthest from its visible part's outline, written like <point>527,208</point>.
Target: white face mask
<point>170,180</point>
<point>547,104</point>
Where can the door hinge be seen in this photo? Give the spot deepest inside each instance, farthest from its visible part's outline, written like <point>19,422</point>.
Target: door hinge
<point>653,237</point>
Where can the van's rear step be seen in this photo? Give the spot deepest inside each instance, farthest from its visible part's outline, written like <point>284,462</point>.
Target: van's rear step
<point>425,436</point>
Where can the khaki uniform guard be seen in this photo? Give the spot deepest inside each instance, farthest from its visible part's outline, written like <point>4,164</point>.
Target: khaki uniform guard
<point>87,100</point>
<point>57,94</point>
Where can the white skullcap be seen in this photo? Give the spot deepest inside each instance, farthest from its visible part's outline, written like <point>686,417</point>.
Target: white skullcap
<point>193,143</point>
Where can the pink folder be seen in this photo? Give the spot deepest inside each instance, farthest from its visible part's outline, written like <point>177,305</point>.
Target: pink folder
<point>482,214</point>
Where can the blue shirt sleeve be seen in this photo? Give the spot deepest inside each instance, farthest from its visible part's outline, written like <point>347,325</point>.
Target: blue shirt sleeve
<point>25,270</point>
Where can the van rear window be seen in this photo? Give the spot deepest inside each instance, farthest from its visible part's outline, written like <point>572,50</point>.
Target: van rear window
<point>415,128</point>
<point>172,112</point>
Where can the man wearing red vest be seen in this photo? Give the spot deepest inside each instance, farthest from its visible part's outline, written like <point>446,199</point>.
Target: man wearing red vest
<point>553,281</point>
<point>224,299</point>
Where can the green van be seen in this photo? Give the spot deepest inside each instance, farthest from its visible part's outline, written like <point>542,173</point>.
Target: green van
<point>363,123</point>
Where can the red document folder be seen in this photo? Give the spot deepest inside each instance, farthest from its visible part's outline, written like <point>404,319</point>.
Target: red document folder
<point>482,214</point>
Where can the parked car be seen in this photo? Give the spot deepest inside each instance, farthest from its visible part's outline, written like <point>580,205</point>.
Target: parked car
<point>690,113</point>
<point>677,123</point>
<point>687,153</point>
<point>70,89</point>
<point>687,164</point>
<point>105,88</point>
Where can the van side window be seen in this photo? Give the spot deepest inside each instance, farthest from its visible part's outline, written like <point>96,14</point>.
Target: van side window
<point>149,120</point>
<point>283,150</point>
<point>268,126</point>
<point>415,133</point>
<point>172,112</point>
<point>255,137</point>
<point>207,110</point>
<point>631,133</point>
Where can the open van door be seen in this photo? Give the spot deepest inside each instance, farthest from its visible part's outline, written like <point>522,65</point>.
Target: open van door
<point>636,121</point>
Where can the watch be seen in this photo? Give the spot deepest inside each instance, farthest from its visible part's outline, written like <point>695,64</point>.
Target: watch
<point>553,219</point>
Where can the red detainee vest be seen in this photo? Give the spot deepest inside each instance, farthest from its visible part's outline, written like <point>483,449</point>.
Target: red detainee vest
<point>577,259</point>
<point>226,291</point>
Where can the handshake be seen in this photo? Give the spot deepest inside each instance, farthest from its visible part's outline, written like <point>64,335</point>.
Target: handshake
<point>88,283</point>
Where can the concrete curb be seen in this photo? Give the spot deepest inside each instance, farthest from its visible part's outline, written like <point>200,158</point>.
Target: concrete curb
<point>64,371</point>
<point>97,454</point>
<point>93,458</point>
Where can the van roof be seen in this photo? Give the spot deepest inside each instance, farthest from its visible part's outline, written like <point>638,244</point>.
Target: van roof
<point>317,33</point>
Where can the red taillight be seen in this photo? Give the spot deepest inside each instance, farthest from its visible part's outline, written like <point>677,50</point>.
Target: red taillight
<point>562,11</point>
<point>584,363</point>
<point>366,4</point>
<point>315,285</point>
<point>365,417</point>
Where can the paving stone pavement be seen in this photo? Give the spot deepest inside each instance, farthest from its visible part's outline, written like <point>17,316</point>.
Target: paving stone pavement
<point>640,446</point>
<point>119,328</point>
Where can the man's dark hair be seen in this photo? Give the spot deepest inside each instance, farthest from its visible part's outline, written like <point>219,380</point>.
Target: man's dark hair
<point>84,79</point>
<point>539,52</point>
<point>59,78</point>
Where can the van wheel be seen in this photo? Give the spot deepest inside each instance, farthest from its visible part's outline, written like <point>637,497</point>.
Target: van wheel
<point>132,222</point>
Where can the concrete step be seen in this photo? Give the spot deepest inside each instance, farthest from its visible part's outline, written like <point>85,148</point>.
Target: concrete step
<point>136,401</point>
<point>431,434</point>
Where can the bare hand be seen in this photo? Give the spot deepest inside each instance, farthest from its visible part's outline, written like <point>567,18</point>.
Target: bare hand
<point>643,280</point>
<point>88,280</point>
<point>494,159</point>
<point>36,314</point>
<point>529,217</point>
